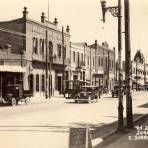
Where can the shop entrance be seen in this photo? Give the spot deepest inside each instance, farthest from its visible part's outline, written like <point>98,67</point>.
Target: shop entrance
<point>60,84</point>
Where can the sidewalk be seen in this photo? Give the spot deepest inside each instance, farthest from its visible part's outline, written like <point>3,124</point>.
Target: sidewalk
<point>134,138</point>
<point>38,100</point>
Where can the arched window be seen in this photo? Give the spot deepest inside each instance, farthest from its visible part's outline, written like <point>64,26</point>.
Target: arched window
<point>43,82</point>
<point>37,83</point>
<point>30,81</point>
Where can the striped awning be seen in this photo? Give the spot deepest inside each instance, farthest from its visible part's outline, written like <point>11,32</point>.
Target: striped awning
<point>12,68</point>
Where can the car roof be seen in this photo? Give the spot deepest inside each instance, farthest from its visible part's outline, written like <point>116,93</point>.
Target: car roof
<point>89,86</point>
<point>76,81</point>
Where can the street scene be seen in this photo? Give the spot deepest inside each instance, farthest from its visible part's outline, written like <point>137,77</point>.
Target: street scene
<point>74,74</point>
<point>47,124</point>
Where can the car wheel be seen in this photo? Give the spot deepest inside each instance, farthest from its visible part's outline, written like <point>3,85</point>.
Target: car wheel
<point>89,100</point>
<point>13,102</point>
<point>27,100</point>
<point>112,95</point>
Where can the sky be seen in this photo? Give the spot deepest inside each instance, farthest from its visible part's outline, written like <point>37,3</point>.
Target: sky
<point>84,18</point>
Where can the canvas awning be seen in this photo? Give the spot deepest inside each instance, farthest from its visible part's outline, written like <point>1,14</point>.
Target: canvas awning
<point>11,68</point>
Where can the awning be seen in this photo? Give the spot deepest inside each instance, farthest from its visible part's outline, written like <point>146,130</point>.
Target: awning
<point>11,68</point>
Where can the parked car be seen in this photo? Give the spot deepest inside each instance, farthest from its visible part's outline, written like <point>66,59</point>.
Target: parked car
<point>73,87</point>
<point>115,91</point>
<point>88,94</point>
<point>15,93</point>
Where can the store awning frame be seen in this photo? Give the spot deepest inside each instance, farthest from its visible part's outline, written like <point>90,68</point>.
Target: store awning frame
<point>12,68</point>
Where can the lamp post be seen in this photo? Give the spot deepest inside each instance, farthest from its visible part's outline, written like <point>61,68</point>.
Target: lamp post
<point>116,12</point>
<point>63,53</point>
<point>50,67</point>
<point>137,74</point>
<point>46,88</point>
<point>129,114</point>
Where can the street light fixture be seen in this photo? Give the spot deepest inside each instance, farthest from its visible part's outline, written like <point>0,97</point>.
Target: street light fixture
<point>116,12</point>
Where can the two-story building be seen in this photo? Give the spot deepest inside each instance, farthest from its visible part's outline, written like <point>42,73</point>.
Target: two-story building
<point>93,63</point>
<point>44,50</point>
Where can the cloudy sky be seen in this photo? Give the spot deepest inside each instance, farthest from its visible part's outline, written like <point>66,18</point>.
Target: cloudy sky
<point>84,17</point>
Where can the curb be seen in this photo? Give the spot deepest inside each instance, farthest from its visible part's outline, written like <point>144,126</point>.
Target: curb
<point>115,131</point>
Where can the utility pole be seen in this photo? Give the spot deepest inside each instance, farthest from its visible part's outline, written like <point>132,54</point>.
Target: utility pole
<point>63,51</point>
<point>108,63</point>
<point>116,12</point>
<point>95,59</point>
<point>46,91</point>
<point>137,74</point>
<point>129,113</point>
<point>120,103</point>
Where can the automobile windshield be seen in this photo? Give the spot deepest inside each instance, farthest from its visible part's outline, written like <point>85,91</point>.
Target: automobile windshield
<point>87,89</point>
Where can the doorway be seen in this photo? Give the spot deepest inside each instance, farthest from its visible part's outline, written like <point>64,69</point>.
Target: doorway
<point>60,84</point>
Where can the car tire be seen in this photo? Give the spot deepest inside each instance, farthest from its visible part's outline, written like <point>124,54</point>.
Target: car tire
<point>27,100</point>
<point>89,100</point>
<point>13,102</point>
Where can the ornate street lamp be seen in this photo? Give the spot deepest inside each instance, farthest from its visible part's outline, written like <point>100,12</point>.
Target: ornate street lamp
<point>116,12</point>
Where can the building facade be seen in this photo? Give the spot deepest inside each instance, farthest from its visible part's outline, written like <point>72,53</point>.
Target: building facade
<point>44,52</point>
<point>139,70</point>
<point>93,63</point>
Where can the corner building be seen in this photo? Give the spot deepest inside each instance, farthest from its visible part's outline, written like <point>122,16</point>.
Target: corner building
<point>32,41</point>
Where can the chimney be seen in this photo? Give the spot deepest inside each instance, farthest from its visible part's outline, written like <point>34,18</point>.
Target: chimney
<point>102,43</point>
<point>43,17</point>
<point>67,29</point>
<point>55,21</point>
<point>25,13</point>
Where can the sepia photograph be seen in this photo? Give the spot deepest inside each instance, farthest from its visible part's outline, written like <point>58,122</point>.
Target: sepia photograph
<point>74,74</point>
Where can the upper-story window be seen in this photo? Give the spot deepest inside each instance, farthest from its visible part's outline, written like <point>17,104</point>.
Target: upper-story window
<point>78,58</point>
<point>35,45</point>
<point>74,56</point>
<point>59,50</point>
<point>87,60</point>
<point>50,48</point>
<point>106,62</point>
<point>93,61</point>
<point>82,57</point>
<point>64,52</point>
<point>99,61</point>
<point>41,46</point>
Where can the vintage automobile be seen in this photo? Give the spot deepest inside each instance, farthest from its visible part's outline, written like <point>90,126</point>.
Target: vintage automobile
<point>73,87</point>
<point>115,91</point>
<point>104,89</point>
<point>88,94</point>
<point>15,93</point>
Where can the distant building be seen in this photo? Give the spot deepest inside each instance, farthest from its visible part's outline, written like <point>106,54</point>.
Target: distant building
<point>139,70</point>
